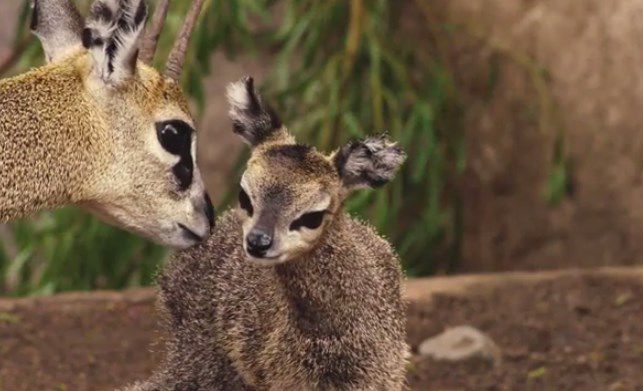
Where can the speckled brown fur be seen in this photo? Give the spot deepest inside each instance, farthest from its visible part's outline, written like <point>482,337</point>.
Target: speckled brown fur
<point>46,130</point>
<point>326,313</point>
<point>333,320</point>
<point>57,138</point>
<point>87,129</point>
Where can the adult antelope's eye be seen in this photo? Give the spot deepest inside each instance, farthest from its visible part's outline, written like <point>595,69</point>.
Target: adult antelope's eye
<point>245,203</point>
<point>176,138</point>
<point>309,220</point>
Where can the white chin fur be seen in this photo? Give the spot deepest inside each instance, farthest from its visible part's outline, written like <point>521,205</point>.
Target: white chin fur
<point>181,243</point>
<point>265,262</point>
<point>175,240</point>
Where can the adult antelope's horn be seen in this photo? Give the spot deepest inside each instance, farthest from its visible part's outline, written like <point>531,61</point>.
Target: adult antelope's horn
<point>176,59</point>
<point>153,32</point>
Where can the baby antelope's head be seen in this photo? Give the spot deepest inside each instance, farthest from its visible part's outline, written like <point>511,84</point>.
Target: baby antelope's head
<point>291,193</point>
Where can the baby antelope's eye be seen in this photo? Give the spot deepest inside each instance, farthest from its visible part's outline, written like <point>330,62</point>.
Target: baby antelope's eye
<point>245,203</point>
<point>309,220</point>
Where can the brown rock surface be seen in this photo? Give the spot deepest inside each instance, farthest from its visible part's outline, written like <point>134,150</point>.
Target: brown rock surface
<point>591,51</point>
<point>8,25</point>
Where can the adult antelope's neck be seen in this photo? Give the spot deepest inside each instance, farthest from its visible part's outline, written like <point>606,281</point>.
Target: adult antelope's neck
<point>47,147</point>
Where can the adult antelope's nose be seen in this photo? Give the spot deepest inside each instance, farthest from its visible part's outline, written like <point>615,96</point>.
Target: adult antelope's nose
<point>209,210</point>
<point>258,242</point>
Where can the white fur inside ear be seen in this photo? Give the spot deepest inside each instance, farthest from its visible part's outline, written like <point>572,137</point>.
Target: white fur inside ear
<point>115,27</point>
<point>127,48</point>
<point>251,118</point>
<point>101,32</point>
<point>238,97</point>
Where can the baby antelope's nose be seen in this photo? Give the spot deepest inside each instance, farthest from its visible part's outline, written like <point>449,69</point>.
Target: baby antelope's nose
<point>258,242</point>
<point>209,210</point>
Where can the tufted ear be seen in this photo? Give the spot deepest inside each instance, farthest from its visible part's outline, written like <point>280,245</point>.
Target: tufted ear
<point>371,162</point>
<point>252,119</point>
<point>58,25</point>
<point>111,35</point>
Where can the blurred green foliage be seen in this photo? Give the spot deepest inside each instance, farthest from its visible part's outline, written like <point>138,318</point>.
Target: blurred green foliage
<point>71,250</point>
<point>342,69</point>
<point>68,249</point>
<point>346,69</point>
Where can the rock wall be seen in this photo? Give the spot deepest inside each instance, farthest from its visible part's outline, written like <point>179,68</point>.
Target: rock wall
<point>7,28</point>
<point>592,52</point>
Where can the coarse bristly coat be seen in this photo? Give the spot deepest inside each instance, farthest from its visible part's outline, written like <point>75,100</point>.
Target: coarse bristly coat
<point>289,293</point>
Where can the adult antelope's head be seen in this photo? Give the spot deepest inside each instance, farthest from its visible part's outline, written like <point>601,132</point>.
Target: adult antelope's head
<point>146,179</point>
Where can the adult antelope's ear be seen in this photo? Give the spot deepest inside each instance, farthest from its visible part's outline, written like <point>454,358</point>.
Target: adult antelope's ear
<point>252,119</point>
<point>371,162</point>
<point>58,25</point>
<point>111,34</point>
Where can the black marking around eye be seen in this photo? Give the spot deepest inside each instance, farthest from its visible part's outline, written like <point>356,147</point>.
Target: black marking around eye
<point>176,138</point>
<point>312,220</point>
<point>245,203</point>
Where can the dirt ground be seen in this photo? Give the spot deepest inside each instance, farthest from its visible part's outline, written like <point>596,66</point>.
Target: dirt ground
<point>580,331</point>
<point>77,342</point>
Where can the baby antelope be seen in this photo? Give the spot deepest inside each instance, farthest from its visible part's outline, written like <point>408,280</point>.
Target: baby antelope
<point>290,292</point>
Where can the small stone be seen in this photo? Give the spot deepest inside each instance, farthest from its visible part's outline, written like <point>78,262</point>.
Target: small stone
<point>616,386</point>
<point>461,343</point>
<point>622,299</point>
<point>6,317</point>
<point>537,373</point>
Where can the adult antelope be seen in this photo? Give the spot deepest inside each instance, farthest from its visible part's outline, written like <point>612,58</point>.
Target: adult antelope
<point>99,128</point>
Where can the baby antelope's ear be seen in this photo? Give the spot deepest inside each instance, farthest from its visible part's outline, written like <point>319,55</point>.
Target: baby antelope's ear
<point>252,119</point>
<point>111,34</point>
<point>371,162</point>
<point>58,25</point>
